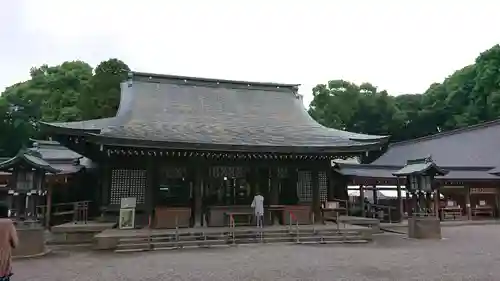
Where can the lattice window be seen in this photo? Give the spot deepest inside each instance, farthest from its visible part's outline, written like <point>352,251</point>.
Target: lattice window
<point>282,172</point>
<point>173,173</point>
<point>323,186</point>
<point>128,183</point>
<point>227,171</point>
<point>304,186</point>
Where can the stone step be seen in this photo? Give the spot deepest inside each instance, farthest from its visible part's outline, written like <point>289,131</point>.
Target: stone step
<point>166,245</point>
<point>228,236</point>
<point>243,233</point>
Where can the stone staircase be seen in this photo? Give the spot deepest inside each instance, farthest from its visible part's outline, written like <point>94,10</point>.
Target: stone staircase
<point>234,237</point>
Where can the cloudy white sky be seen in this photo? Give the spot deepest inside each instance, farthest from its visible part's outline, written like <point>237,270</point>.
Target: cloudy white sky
<point>401,46</point>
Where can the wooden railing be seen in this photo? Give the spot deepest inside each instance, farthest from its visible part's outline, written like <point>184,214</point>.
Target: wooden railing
<point>78,210</point>
<point>386,210</point>
<point>343,202</point>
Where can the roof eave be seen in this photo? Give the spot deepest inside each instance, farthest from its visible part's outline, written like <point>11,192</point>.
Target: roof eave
<point>180,77</point>
<point>58,129</point>
<point>113,141</point>
<point>5,166</point>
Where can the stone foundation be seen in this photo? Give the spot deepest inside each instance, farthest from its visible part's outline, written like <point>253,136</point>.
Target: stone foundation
<point>71,233</point>
<point>424,228</point>
<point>31,242</point>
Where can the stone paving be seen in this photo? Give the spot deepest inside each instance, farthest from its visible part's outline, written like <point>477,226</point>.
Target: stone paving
<point>466,253</point>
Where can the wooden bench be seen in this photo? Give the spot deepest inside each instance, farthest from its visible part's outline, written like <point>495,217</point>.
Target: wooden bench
<point>451,213</point>
<point>483,211</point>
<point>247,215</point>
<point>331,210</point>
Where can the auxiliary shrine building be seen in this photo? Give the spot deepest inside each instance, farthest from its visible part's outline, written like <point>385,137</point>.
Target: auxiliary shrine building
<point>190,150</point>
<point>470,188</point>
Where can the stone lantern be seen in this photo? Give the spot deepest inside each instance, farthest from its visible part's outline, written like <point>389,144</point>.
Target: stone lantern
<point>420,174</point>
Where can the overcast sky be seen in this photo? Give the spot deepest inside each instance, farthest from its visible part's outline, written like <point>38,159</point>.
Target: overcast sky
<point>400,46</point>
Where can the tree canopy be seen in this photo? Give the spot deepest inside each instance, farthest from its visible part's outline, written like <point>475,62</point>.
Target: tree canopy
<point>469,96</point>
<point>75,91</point>
<point>72,91</point>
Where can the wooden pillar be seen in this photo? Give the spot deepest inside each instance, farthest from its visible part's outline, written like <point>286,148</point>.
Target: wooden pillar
<point>331,185</point>
<point>275,192</point>
<point>437,198</point>
<point>293,173</point>
<point>105,183</point>
<point>362,200</point>
<point>399,205</point>
<point>151,191</point>
<point>198,197</point>
<point>467,203</point>
<point>48,206</point>
<point>408,203</point>
<point>316,204</point>
<point>375,194</point>
<point>497,202</point>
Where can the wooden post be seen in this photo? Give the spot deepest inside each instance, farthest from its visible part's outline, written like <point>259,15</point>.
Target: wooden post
<point>316,204</point>
<point>198,202</point>
<point>437,198</point>
<point>497,202</point>
<point>275,192</point>
<point>362,199</point>
<point>152,185</point>
<point>331,185</point>
<point>408,204</point>
<point>399,205</point>
<point>467,202</point>
<point>375,195</point>
<point>48,207</point>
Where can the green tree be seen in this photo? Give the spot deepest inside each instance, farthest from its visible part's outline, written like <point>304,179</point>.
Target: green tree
<point>56,90</point>
<point>103,98</point>
<point>469,96</point>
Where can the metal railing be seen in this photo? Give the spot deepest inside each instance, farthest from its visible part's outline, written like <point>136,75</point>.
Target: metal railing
<point>292,217</point>
<point>232,230</point>
<point>177,244</point>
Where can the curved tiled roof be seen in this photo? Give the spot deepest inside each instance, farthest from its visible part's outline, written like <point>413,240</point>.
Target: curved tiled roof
<point>159,110</point>
<point>473,146</point>
<point>28,159</point>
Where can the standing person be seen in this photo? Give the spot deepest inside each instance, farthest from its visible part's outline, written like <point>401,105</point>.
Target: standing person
<point>258,208</point>
<point>8,241</point>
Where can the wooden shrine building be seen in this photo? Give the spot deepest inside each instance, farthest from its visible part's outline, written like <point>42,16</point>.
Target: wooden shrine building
<point>471,187</point>
<point>65,182</point>
<point>191,150</point>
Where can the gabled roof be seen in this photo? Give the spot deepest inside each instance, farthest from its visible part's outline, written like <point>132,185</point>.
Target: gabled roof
<point>53,151</point>
<point>187,112</point>
<point>27,159</point>
<point>473,146</point>
<point>60,157</point>
<point>422,166</point>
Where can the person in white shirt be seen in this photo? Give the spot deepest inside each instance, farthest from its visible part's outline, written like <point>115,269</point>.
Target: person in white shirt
<point>258,207</point>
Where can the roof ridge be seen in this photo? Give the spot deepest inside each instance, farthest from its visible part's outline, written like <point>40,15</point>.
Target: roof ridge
<point>448,133</point>
<point>133,74</point>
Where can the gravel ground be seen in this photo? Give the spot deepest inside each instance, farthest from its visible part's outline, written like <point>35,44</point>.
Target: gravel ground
<point>466,253</point>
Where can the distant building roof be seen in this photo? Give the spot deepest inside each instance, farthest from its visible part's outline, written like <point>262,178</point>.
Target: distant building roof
<point>371,171</point>
<point>27,159</point>
<point>58,157</point>
<point>422,166</point>
<point>54,151</point>
<point>199,113</point>
<point>473,146</point>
